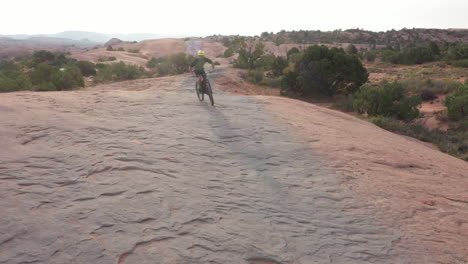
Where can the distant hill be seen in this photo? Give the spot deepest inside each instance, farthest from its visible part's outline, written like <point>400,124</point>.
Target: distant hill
<point>15,47</point>
<point>99,38</point>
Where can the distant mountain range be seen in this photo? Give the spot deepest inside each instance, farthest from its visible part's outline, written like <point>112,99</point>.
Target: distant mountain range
<point>98,38</point>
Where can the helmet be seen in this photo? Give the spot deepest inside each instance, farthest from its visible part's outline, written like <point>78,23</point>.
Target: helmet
<point>201,53</point>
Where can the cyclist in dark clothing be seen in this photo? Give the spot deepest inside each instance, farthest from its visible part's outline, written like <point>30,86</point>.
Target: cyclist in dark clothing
<point>198,68</point>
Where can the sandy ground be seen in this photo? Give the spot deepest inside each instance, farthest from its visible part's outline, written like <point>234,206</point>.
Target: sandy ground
<point>142,172</point>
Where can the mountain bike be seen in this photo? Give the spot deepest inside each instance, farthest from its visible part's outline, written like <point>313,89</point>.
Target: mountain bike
<point>203,89</point>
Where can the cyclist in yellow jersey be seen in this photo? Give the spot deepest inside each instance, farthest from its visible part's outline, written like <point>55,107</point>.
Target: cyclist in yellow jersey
<point>198,68</point>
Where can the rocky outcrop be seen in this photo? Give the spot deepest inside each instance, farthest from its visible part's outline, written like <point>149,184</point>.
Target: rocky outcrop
<point>113,41</point>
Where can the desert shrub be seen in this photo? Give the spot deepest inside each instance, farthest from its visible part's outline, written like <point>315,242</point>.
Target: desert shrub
<point>457,52</point>
<point>229,52</point>
<point>418,55</point>
<point>291,81</point>
<point>374,70</point>
<point>46,87</point>
<point>434,48</point>
<point>134,50</point>
<point>120,49</point>
<point>414,55</point>
<point>271,82</point>
<point>265,62</point>
<point>453,141</point>
<point>351,49</point>
<point>109,48</point>
<point>457,104</point>
<point>278,65</point>
<point>391,56</point>
<point>103,58</point>
<point>216,63</point>
<point>326,71</point>
<point>427,95</point>
<point>119,72</point>
<point>255,75</point>
<point>292,51</point>
<point>370,56</point>
<point>154,62</point>
<point>87,68</point>
<point>295,57</point>
<point>174,64</point>
<point>249,56</point>
<point>460,63</point>
<point>46,77</point>
<point>20,82</point>
<point>389,101</point>
<point>44,73</point>
<point>436,86</point>
<point>343,103</point>
<point>42,56</point>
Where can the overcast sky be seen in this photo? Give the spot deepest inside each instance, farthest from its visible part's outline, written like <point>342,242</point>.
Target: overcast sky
<point>244,17</point>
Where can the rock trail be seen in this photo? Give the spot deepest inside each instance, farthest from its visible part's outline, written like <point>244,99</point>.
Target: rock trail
<point>107,175</point>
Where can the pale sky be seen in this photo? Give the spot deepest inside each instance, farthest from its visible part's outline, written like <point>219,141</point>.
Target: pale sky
<point>244,17</point>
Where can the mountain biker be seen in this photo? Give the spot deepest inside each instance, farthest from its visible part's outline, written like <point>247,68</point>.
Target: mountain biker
<point>198,64</point>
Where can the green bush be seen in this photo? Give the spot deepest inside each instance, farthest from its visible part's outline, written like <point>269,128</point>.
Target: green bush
<point>48,78</point>
<point>103,59</point>
<point>389,101</point>
<point>427,95</point>
<point>175,64</point>
<point>154,62</point>
<point>326,71</point>
<point>435,86</point>
<point>62,79</point>
<point>271,82</point>
<point>12,77</point>
<point>344,103</point>
<point>249,56</point>
<point>87,68</point>
<point>255,76</point>
<point>292,51</point>
<point>460,63</point>
<point>109,48</point>
<point>351,49</point>
<point>457,104</point>
<point>278,65</point>
<point>229,52</point>
<point>415,55</point>
<point>453,141</point>
<point>370,56</point>
<point>457,52</point>
<point>119,72</point>
<point>134,50</point>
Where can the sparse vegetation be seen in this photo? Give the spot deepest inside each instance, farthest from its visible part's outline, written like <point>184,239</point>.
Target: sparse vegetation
<point>457,104</point>
<point>453,141</point>
<point>118,72</point>
<point>87,68</point>
<point>170,65</point>
<point>389,101</point>
<point>103,59</point>
<point>325,71</point>
<point>42,71</point>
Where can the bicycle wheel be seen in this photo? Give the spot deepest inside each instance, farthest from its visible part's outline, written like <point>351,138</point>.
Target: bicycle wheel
<point>199,92</point>
<point>209,91</point>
